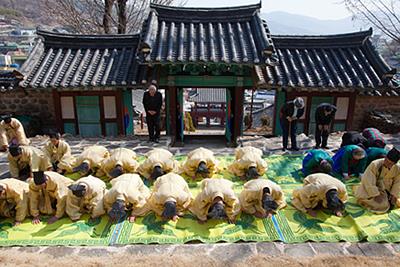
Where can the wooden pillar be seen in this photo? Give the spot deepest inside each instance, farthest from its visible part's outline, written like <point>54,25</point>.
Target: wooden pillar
<point>237,108</point>
<point>350,112</point>
<point>172,98</point>
<point>58,113</point>
<point>120,111</point>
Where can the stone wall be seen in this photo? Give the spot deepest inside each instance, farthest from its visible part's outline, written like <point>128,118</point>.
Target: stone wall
<point>36,103</point>
<point>364,104</point>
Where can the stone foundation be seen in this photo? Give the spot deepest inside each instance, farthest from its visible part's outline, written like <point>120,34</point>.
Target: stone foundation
<point>364,104</point>
<point>35,103</point>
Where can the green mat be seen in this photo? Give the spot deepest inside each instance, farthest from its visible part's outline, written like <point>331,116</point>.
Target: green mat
<point>289,225</point>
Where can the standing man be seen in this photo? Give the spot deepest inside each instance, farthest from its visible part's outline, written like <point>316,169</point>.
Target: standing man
<point>152,102</point>
<point>324,115</point>
<point>11,132</point>
<point>289,114</point>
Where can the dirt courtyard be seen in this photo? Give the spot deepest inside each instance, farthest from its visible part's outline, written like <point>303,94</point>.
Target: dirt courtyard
<point>125,259</point>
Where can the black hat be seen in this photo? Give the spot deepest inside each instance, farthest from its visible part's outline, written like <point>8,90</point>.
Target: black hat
<point>217,211</point>
<point>6,118</point>
<point>54,134</point>
<point>15,150</point>
<point>39,178</point>
<point>169,210</point>
<point>78,190</point>
<point>393,155</point>
<point>117,211</point>
<point>117,171</point>
<point>252,173</point>
<point>157,172</point>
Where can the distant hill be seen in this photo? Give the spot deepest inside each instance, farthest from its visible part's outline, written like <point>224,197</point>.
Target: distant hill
<point>287,23</point>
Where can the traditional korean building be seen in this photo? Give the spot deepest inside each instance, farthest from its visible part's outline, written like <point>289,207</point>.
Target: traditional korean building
<point>88,78</point>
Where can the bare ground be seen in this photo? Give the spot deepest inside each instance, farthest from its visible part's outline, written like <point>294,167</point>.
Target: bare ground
<point>125,259</point>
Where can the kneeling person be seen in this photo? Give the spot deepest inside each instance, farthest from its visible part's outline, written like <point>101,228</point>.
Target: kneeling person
<point>86,196</point>
<point>261,198</point>
<point>121,160</point>
<point>217,200</point>
<point>48,195</point>
<point>59,153</point>
<point>91,160</point>
<point>170,197</point>
<point>320,190</point>
<point>380,184</point>
<point>23,160</point>
<point>200,163</point>
<point>158,162</point>
<point>316,161</point>
<point>350,160</point>
<point>127,194</point>
<point>248,163</point>
<point>14,199</point>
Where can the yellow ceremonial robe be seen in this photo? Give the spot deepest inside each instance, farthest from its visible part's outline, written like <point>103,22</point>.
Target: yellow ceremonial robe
<point>246,157</point>
<point>16,197</point>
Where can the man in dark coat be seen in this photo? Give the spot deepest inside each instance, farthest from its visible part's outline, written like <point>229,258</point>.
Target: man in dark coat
<point>152,102</point>
<point>324,115</point>
<point>354,138</point>
<point>290,112</point>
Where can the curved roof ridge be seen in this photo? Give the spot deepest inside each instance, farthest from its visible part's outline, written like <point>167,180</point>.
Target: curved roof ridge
<point>206,9</point>
<point>94,37</point>
<point>363,34</point>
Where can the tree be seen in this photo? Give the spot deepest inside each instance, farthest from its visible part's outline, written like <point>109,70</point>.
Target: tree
<point>384,15</point>
<point>100,16</point>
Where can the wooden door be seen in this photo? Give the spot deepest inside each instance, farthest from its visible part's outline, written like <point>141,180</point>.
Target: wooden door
<point>88,113</point>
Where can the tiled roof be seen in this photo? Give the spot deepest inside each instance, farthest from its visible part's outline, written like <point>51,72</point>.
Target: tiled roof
<point>9,79</point>
<point>335,62</point>
<point>209,95</point>
<point>234,35</point>
<point>66,60</point>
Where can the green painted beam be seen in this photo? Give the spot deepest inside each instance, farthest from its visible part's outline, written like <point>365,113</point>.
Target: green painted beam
<point>201,81</point>
<point>128,112</point>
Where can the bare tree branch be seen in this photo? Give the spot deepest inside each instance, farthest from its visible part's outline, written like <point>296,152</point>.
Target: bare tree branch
<point>383,14</point>
<point>101,16</point>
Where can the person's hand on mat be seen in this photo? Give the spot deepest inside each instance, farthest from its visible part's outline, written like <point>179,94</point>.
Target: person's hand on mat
<point>379,198</point>
<point>231,221</point>
<point>16,223</point>
<point>52,220</point>
<point>269,215</point>
<point>131,219</point>
<point>175,218</point>
<point>339,213</point>
<point>393,200</point>
<point>346,177</point>
<point>312,213</point>
<point>259,214</point>
<point>36,220</point>
<point>201,221</point>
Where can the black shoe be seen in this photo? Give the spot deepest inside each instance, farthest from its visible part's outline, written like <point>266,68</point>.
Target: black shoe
<point>295,149</point>
<point>284,149</point>
<point>156,141</point>
<point>316,147</point>
<point>325,147</point>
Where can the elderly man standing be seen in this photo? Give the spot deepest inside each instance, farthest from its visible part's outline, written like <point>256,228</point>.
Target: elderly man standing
<point>290,112</point>
<point>11,132</point>
<point>152,102</point>
<point>380,184</point>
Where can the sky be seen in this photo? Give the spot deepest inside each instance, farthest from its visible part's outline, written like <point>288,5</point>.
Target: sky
<point>321,9</point>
